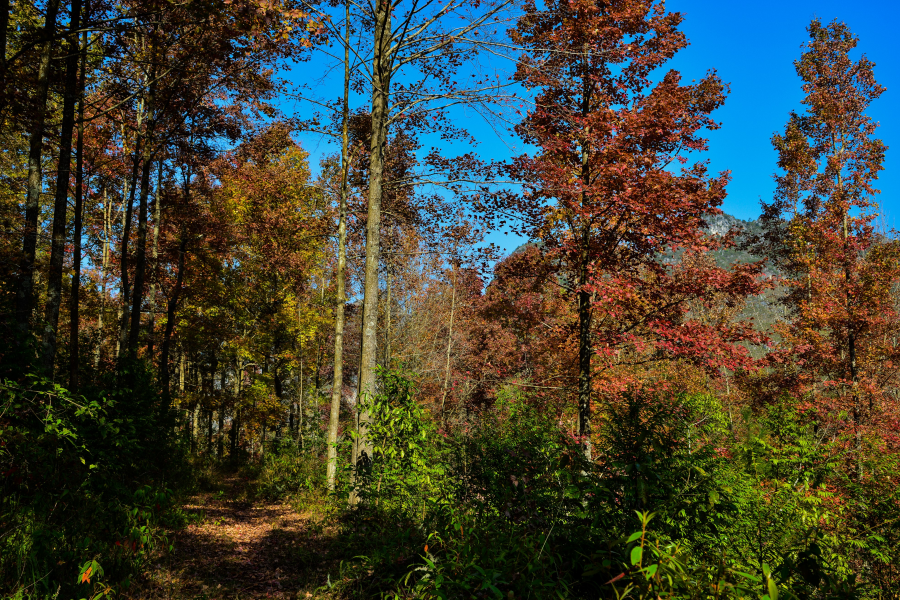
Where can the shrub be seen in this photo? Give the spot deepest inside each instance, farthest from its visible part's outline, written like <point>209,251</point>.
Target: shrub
<point>87,480</point>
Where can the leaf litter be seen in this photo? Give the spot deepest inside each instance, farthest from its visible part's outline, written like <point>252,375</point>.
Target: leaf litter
<point>239,549</point>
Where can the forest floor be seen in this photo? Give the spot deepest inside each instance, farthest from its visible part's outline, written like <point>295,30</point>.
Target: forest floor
<point>238,547</point>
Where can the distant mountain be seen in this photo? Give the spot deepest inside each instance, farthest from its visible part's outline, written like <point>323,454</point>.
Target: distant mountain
<point>719,225</point>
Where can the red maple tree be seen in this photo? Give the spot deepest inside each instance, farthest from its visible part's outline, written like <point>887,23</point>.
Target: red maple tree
<point>838,350</point>
<point>601,196</point>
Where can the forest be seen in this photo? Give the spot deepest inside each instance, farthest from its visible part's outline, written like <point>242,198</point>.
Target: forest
<point>237,363</point>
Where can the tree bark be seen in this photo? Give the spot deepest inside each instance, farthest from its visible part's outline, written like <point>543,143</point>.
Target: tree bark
<point>25,288</point>
<point>381,80</point>
<point>449,346</point>
<point>300,402</point>
<point>4,26</point>
<point>236,421</point>
<point>220,443</point>
<point>387,315</point>
<point>154,257</point>
<point>74,318</point>
<point>172,309</point>
<point>61,203</point>
<point>140,261</point>
<point>125,290</point>
<point>104,264</point>
<point>338,383</point>
<point>585,345</point>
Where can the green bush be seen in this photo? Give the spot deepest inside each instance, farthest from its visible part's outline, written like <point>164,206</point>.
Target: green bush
<point>286,471</point>
<point>508,507</point>
<point>88,480</point>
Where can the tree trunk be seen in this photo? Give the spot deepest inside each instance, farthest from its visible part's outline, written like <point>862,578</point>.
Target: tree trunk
<point>381,80</point>
<point>449,346</point>
<point>300,402</point>
<point>585,345</point>
<point>220,443</point>
<point>172,308</point>
<point>171,312</point>
<point>195,418</point>
<point>154,256</point>
<point>125,290</point>
<point>74,317</point>
<point>140,261</point>
<point>387,315</point>
<point>209,431</point>
<point>262,441</point>
<point>4,26</point>
<point>236,422</point>
<point>181,370</point>
<point>337,386</point>
<point>104,264</point>
<point>61,204</point>
<point>585,353</point>
<point>25,288</point>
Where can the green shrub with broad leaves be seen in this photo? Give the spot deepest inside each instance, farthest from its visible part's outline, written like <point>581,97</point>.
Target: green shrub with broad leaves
<point>288,470</point>
<point>86,483</point>
<point>681,500</point>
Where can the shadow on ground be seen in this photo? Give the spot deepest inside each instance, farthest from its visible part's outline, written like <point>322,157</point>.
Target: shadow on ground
<point>242,550</point>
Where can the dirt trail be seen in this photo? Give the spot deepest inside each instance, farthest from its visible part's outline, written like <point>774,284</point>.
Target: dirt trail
<point>239,550</point>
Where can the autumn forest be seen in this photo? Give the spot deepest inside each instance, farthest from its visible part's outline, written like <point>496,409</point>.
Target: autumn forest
<point>237,363</point>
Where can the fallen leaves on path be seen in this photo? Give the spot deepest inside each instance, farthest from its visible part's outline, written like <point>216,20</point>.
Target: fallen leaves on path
<point>239,550</point>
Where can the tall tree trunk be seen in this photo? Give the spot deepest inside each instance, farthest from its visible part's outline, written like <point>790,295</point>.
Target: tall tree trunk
<point>209,431</point>
<point>236,421</point>
<point>291,409</point>
<point>195,419</point>
<point>449,346</point>
<point>182,367</point>
<point>320,347</point>
<point>171,312</point>
<point>220,443</point>
<point>154,256</point>
<point>140,259</point>
<point>585,353</point>
<point>337,386</point>
<point>300,402</point>
<point>387,315</point>
<point>172,307</point>
<point>61,204</point>
<point>585,345</point>
<point>4,27</point>
<point>104,265</point>
<point>382,64</point>
<point>125,289</point>
<point>25,288</point>
<point>74,318</point>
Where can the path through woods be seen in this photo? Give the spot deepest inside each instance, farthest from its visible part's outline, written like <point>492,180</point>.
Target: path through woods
<point>240,549</point>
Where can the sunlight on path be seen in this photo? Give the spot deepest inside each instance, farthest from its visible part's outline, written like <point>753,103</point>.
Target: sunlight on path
<point>239,549</point>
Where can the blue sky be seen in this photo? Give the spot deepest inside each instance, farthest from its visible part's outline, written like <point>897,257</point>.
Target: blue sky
<point>752,45</point>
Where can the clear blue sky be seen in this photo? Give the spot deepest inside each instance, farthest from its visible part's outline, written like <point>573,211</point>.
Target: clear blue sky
<point>752,45</point>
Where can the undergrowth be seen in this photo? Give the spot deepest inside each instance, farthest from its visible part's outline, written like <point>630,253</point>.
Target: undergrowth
<point>677,503</point>
<point>89,484</point>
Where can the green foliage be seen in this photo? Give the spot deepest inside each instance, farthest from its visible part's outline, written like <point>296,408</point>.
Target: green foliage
<point>507,507</point>
<point>408,472</point>
<point>87,483</point>
<point>287,471</point>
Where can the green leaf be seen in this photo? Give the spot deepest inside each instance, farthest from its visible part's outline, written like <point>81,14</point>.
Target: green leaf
<point>773,589</point>
<point>636,554</point>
